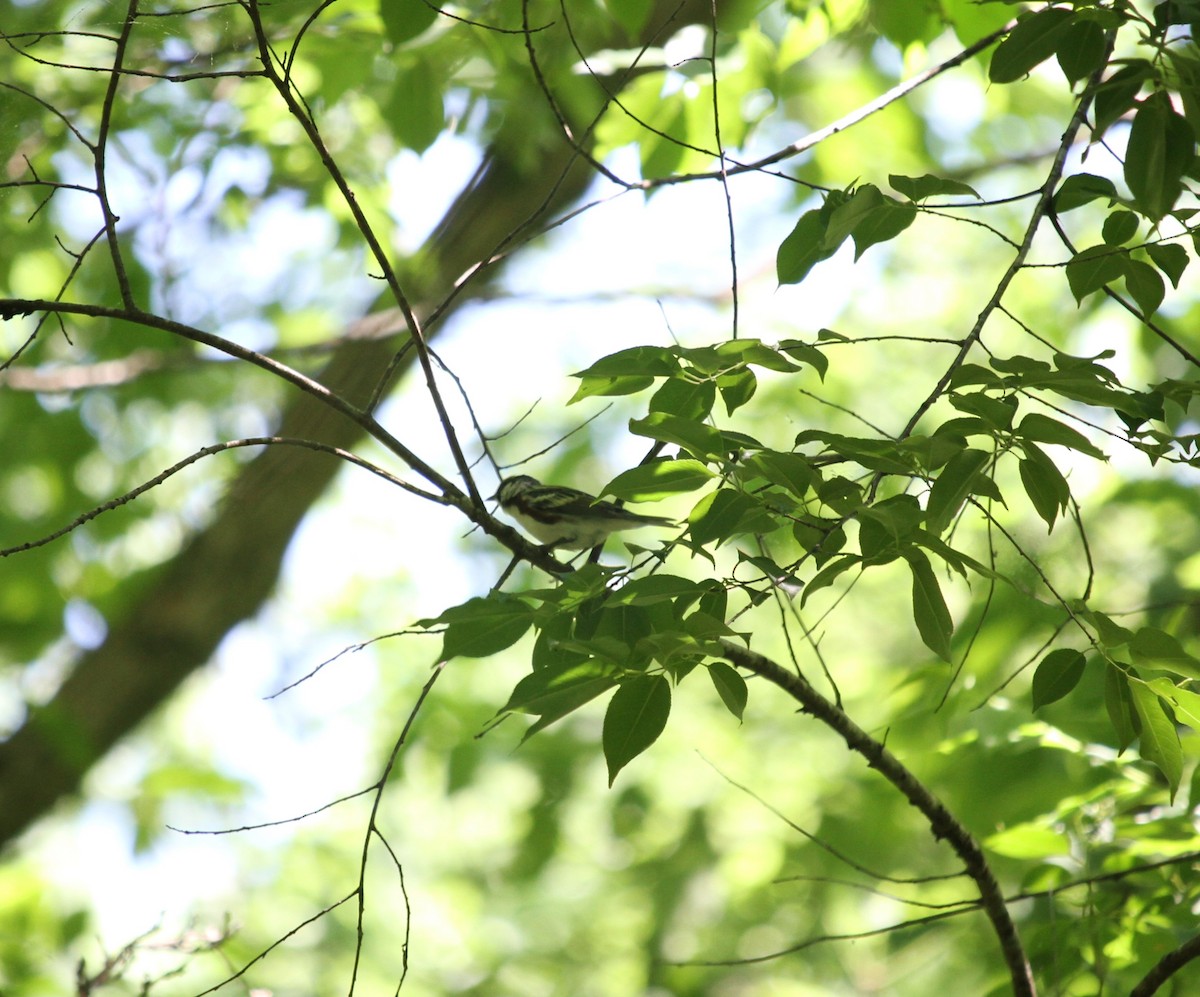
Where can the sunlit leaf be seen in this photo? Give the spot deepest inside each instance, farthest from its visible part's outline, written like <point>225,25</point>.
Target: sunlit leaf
<point>1154,648</point>
<point>920,188</point>
<point>659,479</point>
<point>1158,739</point>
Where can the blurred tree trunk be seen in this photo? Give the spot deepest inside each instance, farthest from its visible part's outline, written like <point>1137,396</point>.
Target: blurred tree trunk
<point>226,572</point>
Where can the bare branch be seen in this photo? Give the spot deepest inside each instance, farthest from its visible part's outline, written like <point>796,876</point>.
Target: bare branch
<point>944,825</point>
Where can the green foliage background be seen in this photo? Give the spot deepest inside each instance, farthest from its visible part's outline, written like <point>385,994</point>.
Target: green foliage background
<point>948,481</point>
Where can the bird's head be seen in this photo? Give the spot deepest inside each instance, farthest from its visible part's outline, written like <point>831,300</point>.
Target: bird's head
<point>512,487</point>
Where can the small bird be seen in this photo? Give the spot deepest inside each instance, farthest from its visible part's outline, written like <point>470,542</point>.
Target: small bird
<point>566,518</point>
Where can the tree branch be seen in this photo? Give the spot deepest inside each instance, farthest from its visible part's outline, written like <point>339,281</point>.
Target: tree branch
<point>944,825</point>
<point>1166,967</point>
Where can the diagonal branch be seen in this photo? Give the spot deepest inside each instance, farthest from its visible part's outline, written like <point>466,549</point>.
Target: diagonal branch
<point>945,825</point>
<point>1166,967</point>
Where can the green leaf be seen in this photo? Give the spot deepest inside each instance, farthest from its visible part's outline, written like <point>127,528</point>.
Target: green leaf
<point>1044,429</point>
<point>1118,701</point>
<point>403,20</point>
<point>1154,648</point>
<point>483,626</point>
<point>630,14</point>
<point>791,471</point>
<point>1081,49</point>
<point>1044,484</point>
<point>952,486</point>
<point>803,249</point>
<point>730,686</point>
<point>1056,675</point>
<point>1094,267</point>
<point>870,217</point>
<point>702,440</point>
<point>1161,148</point>
<point>828,574</point>
<point>1119,227</point>
<point>1028,841</point>
<point>555,692</point>
<point>636,715</point>
<point>1082,188</point>
<point>684,397</point>
<point>1144,285</point>
<point>1171,258</point>
<point>806,353</point>
<point>662,150</point>
<point>1036,37</point>
<point>639,361</point>
<point>1116,95</point>
<point>414,109</point>
<point>737,388</point>
<point>1108,632</point>
<point>655,588</point>
<point>590,386</point>
<point>728,512</point>
<point>919,188</point>
<point>1186,703</point>
<point>1159,740</point>
<point>929,608</point>
<point>659,479</point>
<point>876,454</point>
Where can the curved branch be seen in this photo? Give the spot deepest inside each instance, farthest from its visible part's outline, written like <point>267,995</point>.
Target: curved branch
<point>283,86</point>
<point>945,825</point>
<point>1041,210</point>
<point>216,448</point>
<point>1166,967</point>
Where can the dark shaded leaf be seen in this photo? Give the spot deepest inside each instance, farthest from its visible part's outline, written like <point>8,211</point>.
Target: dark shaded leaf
<point>1056,675</point>
<point>1036,37</point>
<point>730,686</point>
<point>1160,150</point>
<point>919,188</point>
<point>1119,227</point>
<point>933,619</point>
<point>1081,49</point>
<point>1118,701</point>
<point>636,716</point>
<point>803,249</point>
<point>951,488</point>
<point>1171,258</point>
<point>1082,188</point>
<point>1043,429</point>
<point>483,626</point>
<point>1094,267</point>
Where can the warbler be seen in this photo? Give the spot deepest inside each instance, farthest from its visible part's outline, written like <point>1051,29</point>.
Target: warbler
<point>566,518</point>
